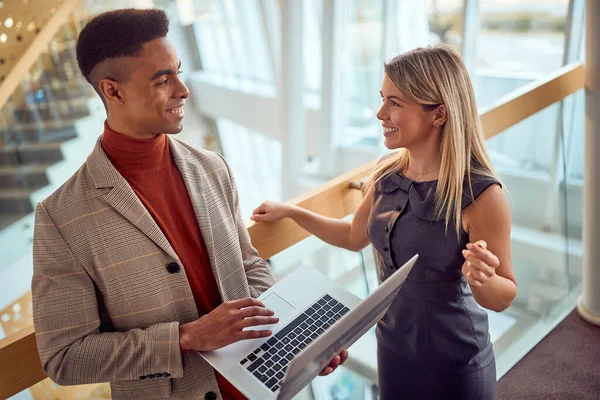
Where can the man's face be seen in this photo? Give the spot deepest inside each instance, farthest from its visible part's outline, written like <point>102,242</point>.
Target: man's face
<point>152,97</point>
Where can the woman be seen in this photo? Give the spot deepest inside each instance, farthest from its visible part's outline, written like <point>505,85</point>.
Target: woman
<point>437,196</point>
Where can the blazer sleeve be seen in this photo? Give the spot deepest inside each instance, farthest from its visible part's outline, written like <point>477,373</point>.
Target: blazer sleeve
<point>257,271</point>
<point>71,346</point>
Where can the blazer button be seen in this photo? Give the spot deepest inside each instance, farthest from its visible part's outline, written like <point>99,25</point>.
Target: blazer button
<point>210,396</point>
<point>386,229</point>
<point>385,249</point>
<point>172,267</point>
<point>398,208</point>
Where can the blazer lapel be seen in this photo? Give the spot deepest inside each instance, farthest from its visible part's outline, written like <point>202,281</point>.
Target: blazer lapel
<point>194,177</point>
<point>123,199</point>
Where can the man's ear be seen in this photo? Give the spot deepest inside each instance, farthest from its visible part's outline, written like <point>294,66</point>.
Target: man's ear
<point>109,89</point>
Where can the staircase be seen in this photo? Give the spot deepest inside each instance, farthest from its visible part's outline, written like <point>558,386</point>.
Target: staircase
<point>41,113</point>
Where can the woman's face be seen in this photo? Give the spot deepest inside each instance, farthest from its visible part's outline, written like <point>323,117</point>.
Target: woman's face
<point>405,122</point>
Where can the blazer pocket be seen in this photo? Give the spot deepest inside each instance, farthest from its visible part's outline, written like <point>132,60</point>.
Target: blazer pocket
<point>154,388</point>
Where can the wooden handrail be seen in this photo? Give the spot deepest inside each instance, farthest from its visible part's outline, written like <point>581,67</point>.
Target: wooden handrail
<point>20,365</point>
<point>522,103</point>
<point>336,198</point>
<point>33,51</point>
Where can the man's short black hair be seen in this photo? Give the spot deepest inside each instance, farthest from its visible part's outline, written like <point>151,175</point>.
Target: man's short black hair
<point>119,33</point>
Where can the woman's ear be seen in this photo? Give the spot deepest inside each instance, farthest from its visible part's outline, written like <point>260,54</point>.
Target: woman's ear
<point>440,116</point>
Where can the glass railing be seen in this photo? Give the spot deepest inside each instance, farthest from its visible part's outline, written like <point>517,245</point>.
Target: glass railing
<point>545,196</point>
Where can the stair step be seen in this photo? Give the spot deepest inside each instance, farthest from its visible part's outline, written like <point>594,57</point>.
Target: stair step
<point>40,135</point>
<point>45,114</point>
<point>72,109</point>
<point>15,201</point>
<point>31,153</point>
<point>50,124</point>
<point>23,176</point>
<point>9,219</point>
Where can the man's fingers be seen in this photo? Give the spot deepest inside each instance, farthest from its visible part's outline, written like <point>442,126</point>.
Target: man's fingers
<point>335,362</point>
<point>255,321</point>
<point>246,335</point>
<point>332,366</point>
<point>247,302</point>
<point>343,356</point>
<point>255,310</point>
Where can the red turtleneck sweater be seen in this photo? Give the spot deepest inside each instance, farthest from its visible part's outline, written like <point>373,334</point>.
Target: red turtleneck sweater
<point>149,168</point>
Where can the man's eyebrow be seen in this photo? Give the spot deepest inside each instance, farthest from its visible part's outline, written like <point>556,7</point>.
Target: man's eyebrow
<point>164,72</point>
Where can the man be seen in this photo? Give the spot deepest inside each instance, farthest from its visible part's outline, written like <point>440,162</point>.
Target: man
<point>142,257</point>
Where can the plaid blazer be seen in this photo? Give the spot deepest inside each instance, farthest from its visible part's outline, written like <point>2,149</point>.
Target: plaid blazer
<point>105,307</point>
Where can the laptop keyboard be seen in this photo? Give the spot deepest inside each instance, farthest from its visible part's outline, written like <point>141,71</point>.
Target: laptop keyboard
<point>269,362</point>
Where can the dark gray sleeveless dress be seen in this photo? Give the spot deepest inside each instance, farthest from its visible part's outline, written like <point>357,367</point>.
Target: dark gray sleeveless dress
<point>433,343</point>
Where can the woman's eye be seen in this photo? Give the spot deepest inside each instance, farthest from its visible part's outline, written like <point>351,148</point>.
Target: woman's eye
<point>395,104</point>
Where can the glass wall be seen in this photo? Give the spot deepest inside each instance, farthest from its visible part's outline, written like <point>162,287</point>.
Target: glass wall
<point>546,238</point>
<point>232,40</point>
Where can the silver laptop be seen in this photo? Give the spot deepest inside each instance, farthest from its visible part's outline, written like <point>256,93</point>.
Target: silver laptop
<point>317,319</point>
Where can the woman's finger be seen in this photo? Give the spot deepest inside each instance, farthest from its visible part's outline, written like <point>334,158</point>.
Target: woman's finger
<point>483,254</point>
<point>481,266</point>
<point>472,281</point>
<point>479,263</point>
<point>257,217</point>
<point>478,275</point>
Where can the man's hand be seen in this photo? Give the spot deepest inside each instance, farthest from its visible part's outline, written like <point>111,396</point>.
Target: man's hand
<point>336,362</point>
<point>224,325</point>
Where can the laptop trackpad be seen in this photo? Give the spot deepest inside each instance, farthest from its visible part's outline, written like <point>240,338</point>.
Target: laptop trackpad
<point>281,307</point>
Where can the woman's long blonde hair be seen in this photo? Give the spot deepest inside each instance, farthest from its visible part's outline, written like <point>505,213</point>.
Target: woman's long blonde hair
<point>431,76</point>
